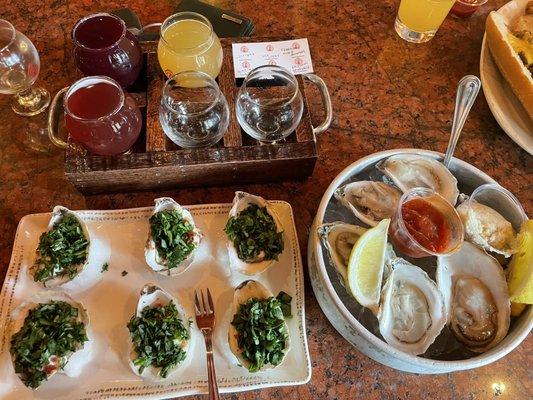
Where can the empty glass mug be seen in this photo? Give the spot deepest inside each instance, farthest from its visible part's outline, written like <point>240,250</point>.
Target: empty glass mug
<point>269,104</point>
<point>103,46</point>
<point>98,115</point>
<point>193,110</point>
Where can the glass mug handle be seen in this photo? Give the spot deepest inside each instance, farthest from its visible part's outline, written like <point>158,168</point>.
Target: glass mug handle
<point>326,101</point>
<point>139,32</point>
<point>53,119</point>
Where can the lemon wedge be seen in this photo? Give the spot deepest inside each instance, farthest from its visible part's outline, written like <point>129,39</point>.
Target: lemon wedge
<point>520,278</point>
<point>365,267</point>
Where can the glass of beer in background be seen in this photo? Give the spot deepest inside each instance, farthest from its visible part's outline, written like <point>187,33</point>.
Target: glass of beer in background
<point>188,43</point>
<point>418,20</point>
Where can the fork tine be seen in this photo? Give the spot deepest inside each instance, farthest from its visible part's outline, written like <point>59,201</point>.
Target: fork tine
<point>205,305</point>
<point>197,304</point>
<point>210,301</point>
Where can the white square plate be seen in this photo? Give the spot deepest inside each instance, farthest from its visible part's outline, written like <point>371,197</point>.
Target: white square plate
<point>119,237</point>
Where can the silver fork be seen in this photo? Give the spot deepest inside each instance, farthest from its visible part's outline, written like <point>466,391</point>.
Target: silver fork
<point>205,319</point>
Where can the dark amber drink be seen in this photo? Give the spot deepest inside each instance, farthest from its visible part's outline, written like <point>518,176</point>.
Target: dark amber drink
<point>101,117</point>
<point>103,46</point>
<point>425,224</point>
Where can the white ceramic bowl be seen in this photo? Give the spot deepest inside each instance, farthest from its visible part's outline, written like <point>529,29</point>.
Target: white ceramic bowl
<point>349,326</point>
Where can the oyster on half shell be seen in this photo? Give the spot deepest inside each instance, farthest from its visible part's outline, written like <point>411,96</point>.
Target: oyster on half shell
<point>487,228</point>
<point>154,259</point>
<point>408,171</point>
<point>58,276</point>
<point>241,202</point>
<point>476,297</point>
<point>251,289</point>
<point>370,201</point>
<point>412,312</point>
<point>153,296</point>
<point>69,364</point>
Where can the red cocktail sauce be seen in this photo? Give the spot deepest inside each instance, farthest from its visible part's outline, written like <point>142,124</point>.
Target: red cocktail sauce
<point>427,225</point>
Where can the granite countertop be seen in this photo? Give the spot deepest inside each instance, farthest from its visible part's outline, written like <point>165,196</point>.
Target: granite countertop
<point>386,94</point>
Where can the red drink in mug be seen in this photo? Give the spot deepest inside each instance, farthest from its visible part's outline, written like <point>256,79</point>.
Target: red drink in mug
<point>101,117</point>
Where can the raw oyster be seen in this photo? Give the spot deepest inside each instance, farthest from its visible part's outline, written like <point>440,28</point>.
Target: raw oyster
<point>339,239</point>
<point>259,264</point>
<point>370,201</point>
<point>251,289</point>
<point>476,297</point>
<point>487,228</point>
<point>153,258</point>
<point>70,363</point>
<point>412,312</point>
<point>153,297</point>
<point>408,171</point>
<point>42,263</point>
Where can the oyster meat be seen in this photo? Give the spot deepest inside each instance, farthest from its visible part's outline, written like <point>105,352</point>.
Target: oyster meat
<point>476,297</point>
<point>339,238</point>
<point>156,307</point>
<point>412,312</point>
<point>24,329</point>
<point>254,294</point>
<point>408,171</point>
<point>487,228</point>
<point>370,201</point>
<point>171,255</point>
<point>63,251</point>
<point>264,236</point>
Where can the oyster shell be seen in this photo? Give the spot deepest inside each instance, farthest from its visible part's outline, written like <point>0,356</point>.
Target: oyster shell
<point>412,312</point>
<point>58,213</point>
<point>73,362</point>
<point>339,239</point>
<point>153,259</point>
<point>249,267</point>
<point>476,297</point>
<point>153,296</point>
<point>487,228</point>
<point>370,201</point>
<point>247,290</point>
<point>408,171</point>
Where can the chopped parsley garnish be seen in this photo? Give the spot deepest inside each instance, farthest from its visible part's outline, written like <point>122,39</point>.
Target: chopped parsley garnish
<point>124,273</point>
<point>261,330</point>
<point>50,329</point>
<point>254,234</point>
<point>173,236</point>
<point>61,250</point>
<point>157,336</point>
<point>105,267</point>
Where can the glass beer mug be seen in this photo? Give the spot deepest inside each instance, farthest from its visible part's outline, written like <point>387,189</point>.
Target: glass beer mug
<point>99,115</point>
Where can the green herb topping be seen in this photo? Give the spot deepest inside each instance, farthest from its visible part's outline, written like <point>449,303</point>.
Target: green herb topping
<point>158,336</point>
<point>173,236</point>
<point>261,330</point>
<point>61,250</point>
<point>254,234</point>
<point>50,329</point>
<point>105,267</point>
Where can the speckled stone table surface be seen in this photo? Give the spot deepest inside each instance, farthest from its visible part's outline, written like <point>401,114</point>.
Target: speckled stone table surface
<point>386,94</point>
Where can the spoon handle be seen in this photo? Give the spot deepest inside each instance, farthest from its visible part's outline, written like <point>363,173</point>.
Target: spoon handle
<point>467,91</point>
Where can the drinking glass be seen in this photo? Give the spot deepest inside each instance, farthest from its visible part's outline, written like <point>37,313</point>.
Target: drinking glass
<point>187,42</point>
<point>19,68</point>
<point>418,20</point>
<point>103,46</point>
<point>465,8</point>
<point>407,243</point>
<point>193,110</point>
<point>99,115</point>
<point>269,104</point>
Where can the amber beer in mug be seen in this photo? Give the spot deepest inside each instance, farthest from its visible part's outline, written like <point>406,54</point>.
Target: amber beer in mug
<point>100,116</point>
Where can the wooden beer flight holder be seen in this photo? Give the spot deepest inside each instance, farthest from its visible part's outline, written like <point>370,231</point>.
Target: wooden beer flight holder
<point>155,162</point>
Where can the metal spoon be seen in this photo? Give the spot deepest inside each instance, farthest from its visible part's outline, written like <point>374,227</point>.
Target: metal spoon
<point>467,91</point>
